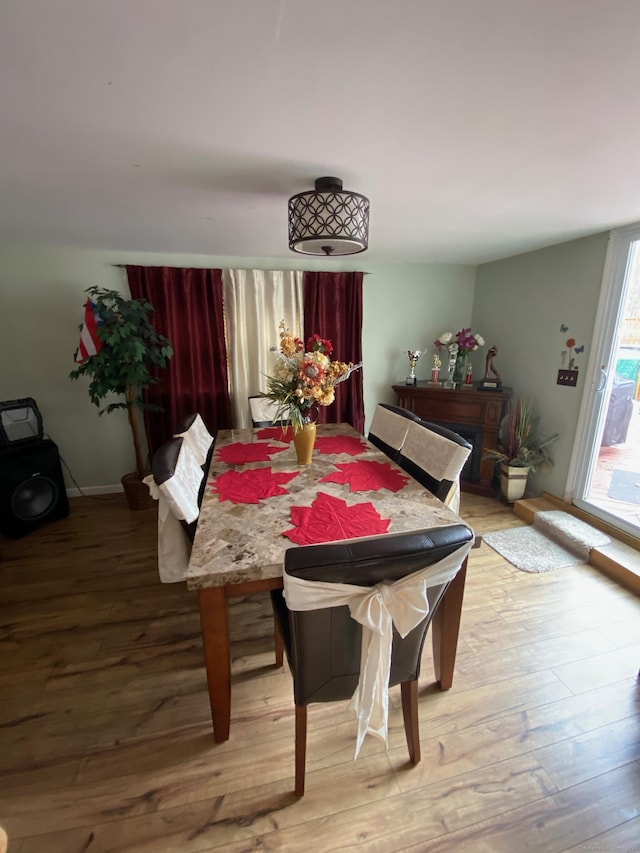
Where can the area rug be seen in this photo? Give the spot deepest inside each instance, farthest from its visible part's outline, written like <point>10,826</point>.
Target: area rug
<point>529,550</point>
<point>557,540</point>
<point>625,486</point>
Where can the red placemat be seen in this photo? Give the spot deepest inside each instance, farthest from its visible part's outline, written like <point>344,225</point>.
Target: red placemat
<point>276,433</point>
<point>340,444</point>
<point>250,487</point>
<point>239,452</point>
<point>329,519</point>
<point>365,475</point>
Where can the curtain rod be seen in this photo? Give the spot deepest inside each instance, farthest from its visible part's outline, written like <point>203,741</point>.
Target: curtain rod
<point>124,266</point>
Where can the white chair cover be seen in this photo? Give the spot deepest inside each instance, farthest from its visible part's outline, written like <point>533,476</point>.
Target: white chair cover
<point>198,438</point>
<point>181,490</point>
<point>389,427</point>
<point>262,409</point>
<point>452,499</point>
<point>435,454</point>
<point>403,603</point>
<point>174,547</point>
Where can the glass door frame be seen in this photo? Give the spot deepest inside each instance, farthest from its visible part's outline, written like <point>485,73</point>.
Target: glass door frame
<point>600,375</point>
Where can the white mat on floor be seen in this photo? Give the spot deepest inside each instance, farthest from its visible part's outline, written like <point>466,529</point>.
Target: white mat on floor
<point>557,540</point>
<point>570,532</point>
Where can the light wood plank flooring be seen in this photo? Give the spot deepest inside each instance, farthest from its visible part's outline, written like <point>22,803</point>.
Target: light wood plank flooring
<point>105,736</point>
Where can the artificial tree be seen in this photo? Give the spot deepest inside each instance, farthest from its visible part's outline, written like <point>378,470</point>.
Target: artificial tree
<point>131,349</point>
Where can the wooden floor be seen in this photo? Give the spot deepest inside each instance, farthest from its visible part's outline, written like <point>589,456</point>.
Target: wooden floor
<point>106,743</point>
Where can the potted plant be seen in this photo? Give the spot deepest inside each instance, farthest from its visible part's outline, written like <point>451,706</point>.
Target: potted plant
<point>127,348</point>
<point>520,449</point>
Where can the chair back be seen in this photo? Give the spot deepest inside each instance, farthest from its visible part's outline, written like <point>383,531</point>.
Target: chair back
<point>195,433</point>
<point>264,412</point>
<point>434,456</point>
<point>389,428</point>
<point>324,645</point>
<point>180,481</point>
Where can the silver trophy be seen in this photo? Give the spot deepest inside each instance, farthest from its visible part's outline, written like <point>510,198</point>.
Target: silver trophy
<point>414,356</point>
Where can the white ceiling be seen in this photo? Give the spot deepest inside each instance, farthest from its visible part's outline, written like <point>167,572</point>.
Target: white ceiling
<point>477,128</point>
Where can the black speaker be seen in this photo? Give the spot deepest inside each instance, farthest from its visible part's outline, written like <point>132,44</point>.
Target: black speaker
<point>32,491</point>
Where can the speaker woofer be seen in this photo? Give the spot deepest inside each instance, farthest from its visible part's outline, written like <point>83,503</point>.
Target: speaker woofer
<point>34,498</point>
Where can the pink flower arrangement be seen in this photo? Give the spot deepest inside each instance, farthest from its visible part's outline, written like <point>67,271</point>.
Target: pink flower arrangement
<point>463,341</point>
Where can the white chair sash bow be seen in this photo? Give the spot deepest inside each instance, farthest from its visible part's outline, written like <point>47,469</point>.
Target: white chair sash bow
<point>402,603</point>
<point>174,547</point>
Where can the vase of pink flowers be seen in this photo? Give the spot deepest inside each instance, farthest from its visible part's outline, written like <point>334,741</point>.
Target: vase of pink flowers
<point>460,344</point>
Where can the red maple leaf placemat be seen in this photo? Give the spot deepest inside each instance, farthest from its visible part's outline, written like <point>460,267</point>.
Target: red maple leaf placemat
<point>239,452</point>
<point>329,519</point>
<point>276,433</point>
<point>250,487</point>
<point>340,444</point>
<point>365,475</point>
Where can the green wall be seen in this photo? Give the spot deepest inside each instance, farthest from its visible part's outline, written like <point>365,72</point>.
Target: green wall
<point>41,298</point>
<point>519,305</point>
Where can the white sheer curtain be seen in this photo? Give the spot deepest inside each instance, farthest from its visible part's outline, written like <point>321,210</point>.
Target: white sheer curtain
<point>255,303</point>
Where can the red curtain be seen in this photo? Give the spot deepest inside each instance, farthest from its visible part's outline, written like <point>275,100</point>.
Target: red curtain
<point>333,310</point>
<point>188,309</point>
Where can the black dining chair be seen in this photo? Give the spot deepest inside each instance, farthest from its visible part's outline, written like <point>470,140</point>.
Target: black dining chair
<point>164,466</point>
<point>389,427</point>
<point>435,456</point>
<point>323,645</point>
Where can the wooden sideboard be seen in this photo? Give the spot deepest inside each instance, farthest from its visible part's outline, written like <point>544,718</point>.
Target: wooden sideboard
<point>474,414</point>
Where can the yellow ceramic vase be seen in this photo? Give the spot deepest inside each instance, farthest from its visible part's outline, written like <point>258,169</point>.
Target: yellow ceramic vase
<point>303,440</point>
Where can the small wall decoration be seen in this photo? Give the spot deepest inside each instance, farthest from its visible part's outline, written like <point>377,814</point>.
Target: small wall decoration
<point>568,373</point>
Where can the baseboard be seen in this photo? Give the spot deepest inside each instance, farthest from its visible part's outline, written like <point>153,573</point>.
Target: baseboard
<point>620,560</point>
<point>89,491</point>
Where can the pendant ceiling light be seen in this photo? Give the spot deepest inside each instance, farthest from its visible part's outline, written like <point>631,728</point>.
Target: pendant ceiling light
<point>328,220</point>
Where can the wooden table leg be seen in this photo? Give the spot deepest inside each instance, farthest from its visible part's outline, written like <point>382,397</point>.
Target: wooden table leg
<point>214,622</point>
<point>445,628</point>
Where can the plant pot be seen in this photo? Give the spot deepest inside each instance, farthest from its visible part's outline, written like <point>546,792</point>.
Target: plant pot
<point>513,482</point>
<point>137,492</point>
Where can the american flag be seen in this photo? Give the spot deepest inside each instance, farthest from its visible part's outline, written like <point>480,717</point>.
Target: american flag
<point>90,343</point>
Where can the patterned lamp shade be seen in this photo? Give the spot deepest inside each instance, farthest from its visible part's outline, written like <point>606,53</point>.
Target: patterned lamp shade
<point>328,221</point>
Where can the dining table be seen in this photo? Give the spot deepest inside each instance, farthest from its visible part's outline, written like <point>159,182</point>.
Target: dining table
<point>259,501</point>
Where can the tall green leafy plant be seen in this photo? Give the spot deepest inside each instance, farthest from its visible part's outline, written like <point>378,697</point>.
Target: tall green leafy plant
<point>131,350</point>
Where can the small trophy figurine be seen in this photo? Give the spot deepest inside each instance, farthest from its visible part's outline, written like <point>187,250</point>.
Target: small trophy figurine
<point>435,370</point>
<point>414,356</point>
<point>491,383</point>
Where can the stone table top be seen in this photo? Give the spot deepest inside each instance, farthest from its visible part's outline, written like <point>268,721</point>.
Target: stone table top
<point>235,543</point>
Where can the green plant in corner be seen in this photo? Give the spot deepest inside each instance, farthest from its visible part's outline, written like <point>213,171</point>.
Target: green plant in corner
<point>131,349</point>
<point>519,442</point>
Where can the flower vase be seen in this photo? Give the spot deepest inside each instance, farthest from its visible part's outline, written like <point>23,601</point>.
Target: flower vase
<point>304,439</point>
<point>460,370</point>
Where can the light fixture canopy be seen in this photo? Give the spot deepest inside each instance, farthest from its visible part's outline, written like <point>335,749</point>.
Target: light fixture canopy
<point>328,220</point>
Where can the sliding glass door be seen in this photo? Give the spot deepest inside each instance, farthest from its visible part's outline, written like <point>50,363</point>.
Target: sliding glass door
<point>608,467</point>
